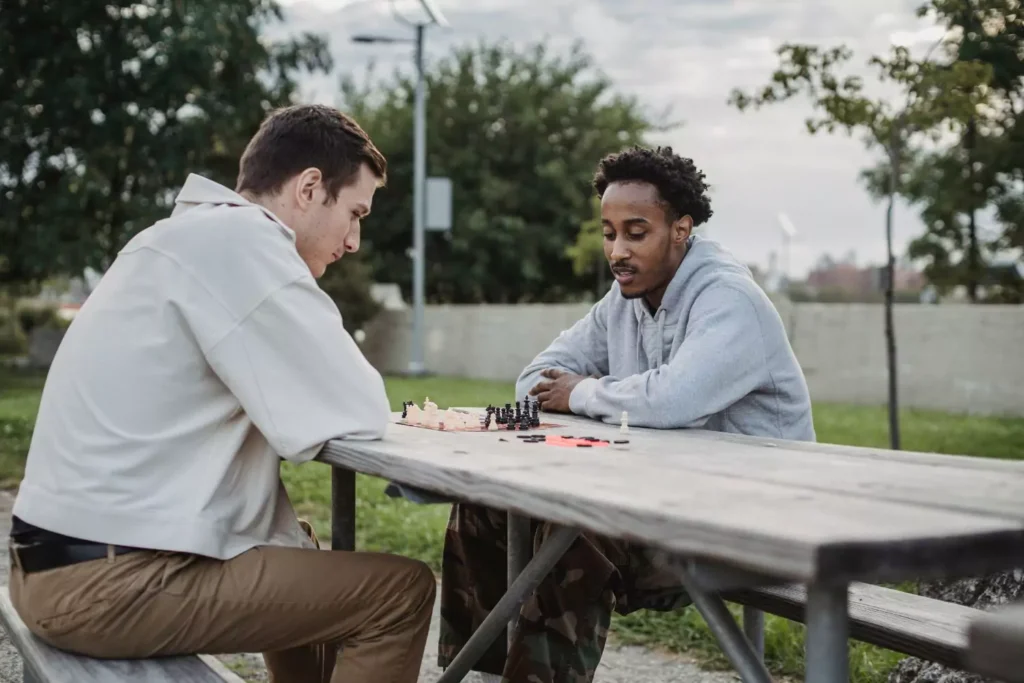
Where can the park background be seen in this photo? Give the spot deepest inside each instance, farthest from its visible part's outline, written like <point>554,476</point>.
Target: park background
<point>798,110</point>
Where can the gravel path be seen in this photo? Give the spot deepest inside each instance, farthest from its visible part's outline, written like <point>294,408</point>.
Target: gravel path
<point>619,665</point>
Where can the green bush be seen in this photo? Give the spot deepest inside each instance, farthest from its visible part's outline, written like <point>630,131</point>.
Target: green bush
<point>13,341</point>
<point>32,317</point>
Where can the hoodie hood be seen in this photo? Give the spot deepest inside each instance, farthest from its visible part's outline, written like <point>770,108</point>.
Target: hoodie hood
<point>703,258</point>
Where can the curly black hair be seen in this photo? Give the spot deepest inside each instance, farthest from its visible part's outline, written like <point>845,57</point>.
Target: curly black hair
<point>680,183</point>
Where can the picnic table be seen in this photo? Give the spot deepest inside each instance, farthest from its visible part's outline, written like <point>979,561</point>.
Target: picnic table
<point>737,512</point>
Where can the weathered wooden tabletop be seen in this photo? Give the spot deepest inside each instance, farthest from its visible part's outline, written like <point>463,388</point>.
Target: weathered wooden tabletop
<point>996,644</point>
<point>804,512</point>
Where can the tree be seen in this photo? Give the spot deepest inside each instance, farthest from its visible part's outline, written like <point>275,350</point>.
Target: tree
<point>981,169</point>
<point>936,97</point>
<point>348,284</point>
<point>108,104</point>
<point>587,252</point>
<point>519,132</point>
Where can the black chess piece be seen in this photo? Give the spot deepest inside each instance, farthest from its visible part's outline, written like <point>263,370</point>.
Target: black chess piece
<point>511,424</point>
<point>405,409</point>
<point>518,412</point>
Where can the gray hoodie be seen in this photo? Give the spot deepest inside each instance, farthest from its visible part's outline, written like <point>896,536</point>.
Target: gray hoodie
<point>714,356</point>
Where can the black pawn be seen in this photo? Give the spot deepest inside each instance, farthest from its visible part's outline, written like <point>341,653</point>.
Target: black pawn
<point>405,409</point>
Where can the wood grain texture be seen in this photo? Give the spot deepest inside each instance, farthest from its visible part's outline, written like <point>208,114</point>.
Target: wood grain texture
<point>921,627</point>
<point>983,485</point>
<point>795,514</point>
<point>50,665</point>
<point>996,644</point>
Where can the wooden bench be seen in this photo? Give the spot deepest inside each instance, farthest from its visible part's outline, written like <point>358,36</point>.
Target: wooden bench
<point>44,664</point>
<point>932,630</point>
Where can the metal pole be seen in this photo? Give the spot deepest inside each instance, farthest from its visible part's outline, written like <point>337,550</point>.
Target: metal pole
<point>753,627</point>
<point>828,659</point>
<point>548,555</point>
<point>520,545</point>
<point>343,509</point>
<point>416,362</point>
<point>738,650</point>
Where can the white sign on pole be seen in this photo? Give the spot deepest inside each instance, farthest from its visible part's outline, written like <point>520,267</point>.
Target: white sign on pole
<point>439,204</point>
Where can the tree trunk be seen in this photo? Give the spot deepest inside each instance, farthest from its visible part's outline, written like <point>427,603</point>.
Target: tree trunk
<point>890,280</point>
<point>973,255</point>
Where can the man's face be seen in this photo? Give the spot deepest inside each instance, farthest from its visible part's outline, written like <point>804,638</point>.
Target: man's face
<point>325,230</point>
<point>643,248</point>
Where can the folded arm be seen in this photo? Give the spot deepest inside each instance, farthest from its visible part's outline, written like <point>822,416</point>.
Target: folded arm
<point>299,375</point>
<point>721,360</point>
<point>581,350</point>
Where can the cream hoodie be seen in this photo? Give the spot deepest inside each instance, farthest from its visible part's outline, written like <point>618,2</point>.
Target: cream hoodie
<point>205,355</point>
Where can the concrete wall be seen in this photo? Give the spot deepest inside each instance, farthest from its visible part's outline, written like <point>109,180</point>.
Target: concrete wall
<point>958,358</point>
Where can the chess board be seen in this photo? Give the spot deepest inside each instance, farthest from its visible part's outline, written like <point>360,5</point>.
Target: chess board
<point>480,428</point>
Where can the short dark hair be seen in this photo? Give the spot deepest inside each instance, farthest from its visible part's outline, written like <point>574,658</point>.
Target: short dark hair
<point>679,182</point>
<point>298,137</point>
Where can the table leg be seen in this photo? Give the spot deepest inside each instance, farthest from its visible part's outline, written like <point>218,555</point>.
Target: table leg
<point>343,509</point>
<point>828,632</point>
<point>550,552</point>
<point>753,627</point>
<point>520,547</point>
<point>727,632</point>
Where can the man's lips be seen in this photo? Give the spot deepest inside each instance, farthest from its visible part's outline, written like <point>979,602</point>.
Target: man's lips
<point>623,275</point>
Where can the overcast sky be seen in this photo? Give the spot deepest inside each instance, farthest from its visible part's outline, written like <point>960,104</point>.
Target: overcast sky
<point>689,54</point>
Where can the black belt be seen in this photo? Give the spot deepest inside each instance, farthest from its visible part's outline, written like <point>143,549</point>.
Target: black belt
<point>38,557</point>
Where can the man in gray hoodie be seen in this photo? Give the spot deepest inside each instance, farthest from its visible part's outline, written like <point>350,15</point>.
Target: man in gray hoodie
<point>685,338</point>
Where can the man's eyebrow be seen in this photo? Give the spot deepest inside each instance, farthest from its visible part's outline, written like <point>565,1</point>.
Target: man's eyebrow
<point>632,220</point>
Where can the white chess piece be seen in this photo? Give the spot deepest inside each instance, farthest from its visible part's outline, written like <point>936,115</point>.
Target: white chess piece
<point>429,413</point>
<point>414,415</point>
<point>624,423</point>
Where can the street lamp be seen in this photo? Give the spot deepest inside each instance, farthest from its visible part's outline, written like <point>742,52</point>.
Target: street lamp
<point>436,18</point>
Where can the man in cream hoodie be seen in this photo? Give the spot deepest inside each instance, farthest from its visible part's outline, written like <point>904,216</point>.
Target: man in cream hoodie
<point>152,519</point>
<point>684,339</point>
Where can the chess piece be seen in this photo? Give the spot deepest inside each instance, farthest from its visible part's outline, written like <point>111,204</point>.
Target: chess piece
<point>492,426</point>
<point>624,423</point>
<point>415,416</point>
<point>405,409</point>
<point>429,413</point>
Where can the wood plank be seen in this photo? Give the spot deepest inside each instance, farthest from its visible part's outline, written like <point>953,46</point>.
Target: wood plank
<point>50,665</point>
<point>996,644</point>
<point>951,482</point>
<point>790,531</point>
<point>918,626</point>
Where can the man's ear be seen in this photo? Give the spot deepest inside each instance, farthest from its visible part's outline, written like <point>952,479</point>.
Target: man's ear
<point>681,230</point>
<point>306,185</point>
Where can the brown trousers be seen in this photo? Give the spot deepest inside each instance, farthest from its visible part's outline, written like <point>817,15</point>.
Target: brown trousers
<point>296,606</point>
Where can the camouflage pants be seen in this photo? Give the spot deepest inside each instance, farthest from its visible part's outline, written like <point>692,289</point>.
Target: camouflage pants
<point>562,628</point>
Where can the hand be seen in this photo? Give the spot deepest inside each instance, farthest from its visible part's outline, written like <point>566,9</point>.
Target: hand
<point>554,394</point>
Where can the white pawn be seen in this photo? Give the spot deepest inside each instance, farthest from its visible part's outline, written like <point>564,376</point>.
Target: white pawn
<point>414,415</point>
<point>624,423</point>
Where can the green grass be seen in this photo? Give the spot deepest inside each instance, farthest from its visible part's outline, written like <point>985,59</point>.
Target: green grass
<point>417,531</point>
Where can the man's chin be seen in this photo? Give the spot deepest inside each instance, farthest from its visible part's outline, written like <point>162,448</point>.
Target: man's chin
<point>631,293</point>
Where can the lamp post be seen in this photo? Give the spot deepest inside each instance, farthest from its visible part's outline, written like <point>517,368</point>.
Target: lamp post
<point>417,365</point>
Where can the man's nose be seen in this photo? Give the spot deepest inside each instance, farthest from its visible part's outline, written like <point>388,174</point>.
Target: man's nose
<point>352,241</point>
<point>620,251</point>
